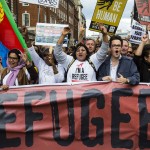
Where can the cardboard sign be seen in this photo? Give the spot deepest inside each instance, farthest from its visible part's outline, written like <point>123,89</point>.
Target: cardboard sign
<point>108,12</point>
<point>94,116</point>
<point>47,3</point>
<point>48,34</point>
<point>137,31</point>
<point>143,7</point>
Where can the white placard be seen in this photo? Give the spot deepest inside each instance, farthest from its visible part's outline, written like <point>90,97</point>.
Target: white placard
<point>47,3</point>
<point>137,31</point>
<point>48,34</point>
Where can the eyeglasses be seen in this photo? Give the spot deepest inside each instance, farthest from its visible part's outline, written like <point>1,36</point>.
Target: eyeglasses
<point>114,45</point>
<point>12,58</point>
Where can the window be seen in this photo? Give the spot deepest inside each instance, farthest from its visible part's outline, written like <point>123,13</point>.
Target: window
<point>26,19</point>
<point>25,4</point>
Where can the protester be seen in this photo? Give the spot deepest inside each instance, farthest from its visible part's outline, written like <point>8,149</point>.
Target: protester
<point>116,67</point>
<point>91,45</point>
<point>130,52</point>
<point>19,70</point>
<point>48,68</point>
<point>142,59</point>
<point>84,66</point>
<point>89,42</point>
<point>125,47</point>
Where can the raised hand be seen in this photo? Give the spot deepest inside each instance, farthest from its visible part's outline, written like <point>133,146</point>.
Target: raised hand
<point>66,31</point>
<point>144,38</point>
<point>24,31</point>
<point>24,57</point>
<point>102,28</point>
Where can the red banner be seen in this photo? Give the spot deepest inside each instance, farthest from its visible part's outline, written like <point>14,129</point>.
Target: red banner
<point>143,7</point>
<point>91,116</point>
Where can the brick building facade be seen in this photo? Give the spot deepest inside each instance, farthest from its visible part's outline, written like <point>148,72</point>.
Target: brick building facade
<point>29,14</point>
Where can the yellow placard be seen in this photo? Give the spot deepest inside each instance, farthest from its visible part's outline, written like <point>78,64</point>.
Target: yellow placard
<point>108,12</point>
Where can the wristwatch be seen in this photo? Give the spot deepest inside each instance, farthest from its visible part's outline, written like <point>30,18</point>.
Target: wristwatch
<point>128,80</point>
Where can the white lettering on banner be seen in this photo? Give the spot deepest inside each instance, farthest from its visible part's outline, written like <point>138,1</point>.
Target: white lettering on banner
<point>106,16</point>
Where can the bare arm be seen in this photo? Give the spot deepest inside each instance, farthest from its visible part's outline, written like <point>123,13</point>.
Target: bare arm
<point>104,32</point>
<point>81,34</point>
<point>139,50</point>
<point>65,31</point>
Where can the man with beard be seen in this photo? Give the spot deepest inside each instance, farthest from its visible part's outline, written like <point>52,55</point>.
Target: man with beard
<point>116,67</point>
<point>125,47</point>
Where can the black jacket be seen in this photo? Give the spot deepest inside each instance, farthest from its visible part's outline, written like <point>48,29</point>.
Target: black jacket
<point>143,68</point>
<point>126,67</point>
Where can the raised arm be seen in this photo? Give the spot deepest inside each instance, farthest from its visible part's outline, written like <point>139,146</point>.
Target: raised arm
<point>81,34</point>
<point>60,55</point>
<point>104,33</point>
<point>101,54</point>
<point>139,50</point>
<point>65,31</point>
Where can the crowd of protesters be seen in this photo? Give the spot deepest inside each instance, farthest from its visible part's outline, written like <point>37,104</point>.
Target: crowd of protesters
<point>110,59</point>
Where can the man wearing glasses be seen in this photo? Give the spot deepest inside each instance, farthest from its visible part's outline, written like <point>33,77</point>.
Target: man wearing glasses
<point>117,67</point>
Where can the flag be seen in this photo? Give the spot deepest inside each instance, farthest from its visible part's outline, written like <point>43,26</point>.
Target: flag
<point>3,54</point>
<point>10,36</point>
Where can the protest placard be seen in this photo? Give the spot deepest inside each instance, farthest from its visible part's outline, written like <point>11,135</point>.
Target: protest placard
<point>47,3</point>
<point>109,13</point>
<point>137,31</point>
<point>143,11</point>
<point>48,34</point>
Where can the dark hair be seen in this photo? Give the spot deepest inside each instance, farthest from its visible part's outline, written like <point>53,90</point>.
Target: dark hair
<point>44,50</point>
<point>16,51</point>
<point>146,51</point>
<point>115,37</point>
<point>77,47</point>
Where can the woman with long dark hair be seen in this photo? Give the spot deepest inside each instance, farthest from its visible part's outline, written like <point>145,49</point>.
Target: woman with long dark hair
<point>81,66</point>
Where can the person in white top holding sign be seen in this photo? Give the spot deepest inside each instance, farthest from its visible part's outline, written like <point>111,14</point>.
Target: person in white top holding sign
<point>84,66</point>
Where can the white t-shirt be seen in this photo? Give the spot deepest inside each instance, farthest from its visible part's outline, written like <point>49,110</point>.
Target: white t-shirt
<point>78,71</point>
<point>46,74</point>
<point>81,71</point>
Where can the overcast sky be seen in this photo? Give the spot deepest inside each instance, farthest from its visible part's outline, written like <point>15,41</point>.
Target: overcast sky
<point>88,9</point>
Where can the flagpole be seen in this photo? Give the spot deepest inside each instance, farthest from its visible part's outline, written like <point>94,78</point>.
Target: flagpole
<point>39,13</point>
